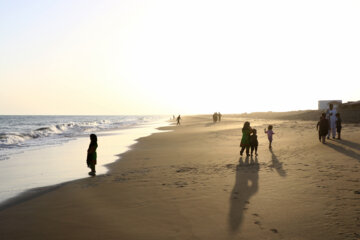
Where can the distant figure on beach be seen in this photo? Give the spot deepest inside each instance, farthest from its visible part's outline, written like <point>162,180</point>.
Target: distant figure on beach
<point>91,154</point>
<point>215,117</point>
<point>323,127</point>
<point>178,120</point>
<point>245,140</point>
<point>254,142</point>
<point>317,128</point>
<point>219,116</point>
<point>331,115</point>
<point>270,134</point>
<point>338,125</point>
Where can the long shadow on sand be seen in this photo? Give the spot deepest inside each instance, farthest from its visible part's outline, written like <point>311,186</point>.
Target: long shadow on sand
<point>275,163</point>
<point>343,150</point>
<point>28,195</point>
<point>349,144</point>
<point>246,185</point>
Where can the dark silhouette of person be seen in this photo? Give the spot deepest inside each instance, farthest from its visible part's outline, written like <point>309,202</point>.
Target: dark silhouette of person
<point>215,117</point>
<point>338,125</point>
<point>245,140</point>
<point>91,154</point>
<point>219,116</point>
<point>317,128</point>
<point>323,127</point>
<point>254,142</point>
<point>178,120</point>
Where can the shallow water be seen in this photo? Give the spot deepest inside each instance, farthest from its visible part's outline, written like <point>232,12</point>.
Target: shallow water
<point>45,165</point>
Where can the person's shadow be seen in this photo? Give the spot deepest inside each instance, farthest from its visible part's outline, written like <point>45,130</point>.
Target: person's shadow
<point>349,144</point>
<point>275,163</point>
<point>246,185</point>
<point>347,152</point>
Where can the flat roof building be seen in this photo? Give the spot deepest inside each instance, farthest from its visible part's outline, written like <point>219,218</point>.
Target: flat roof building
<point>324,104</point>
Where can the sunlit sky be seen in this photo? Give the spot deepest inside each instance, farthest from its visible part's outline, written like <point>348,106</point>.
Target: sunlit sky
<point>172,57</point>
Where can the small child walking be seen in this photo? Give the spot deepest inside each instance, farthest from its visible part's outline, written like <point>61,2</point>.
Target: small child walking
<point>91,154</point>
<point>254,142</point>
<point>323,127</point>
<point>270,134</point>
<point>338,125</point>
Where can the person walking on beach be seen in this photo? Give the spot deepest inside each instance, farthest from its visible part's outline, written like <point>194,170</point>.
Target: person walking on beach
<point>331,114</point>
<point>178,120</point>
<point>215,117</point>
<point>245,140</point>
<point>219,116</point>
<point>323,127</point>
<point>91,154</point>
<point>254,142</point>
<point>338,125</point>
<point>317,128</point>
<point>270,134</point>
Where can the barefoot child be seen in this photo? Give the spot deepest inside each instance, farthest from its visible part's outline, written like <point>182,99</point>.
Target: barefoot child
<point>91,154</point>
<point>270,133</point>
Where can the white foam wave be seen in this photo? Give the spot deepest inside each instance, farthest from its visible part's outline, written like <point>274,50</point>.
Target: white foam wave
<point>67,129</point>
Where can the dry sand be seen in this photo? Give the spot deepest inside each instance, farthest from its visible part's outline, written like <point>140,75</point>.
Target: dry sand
<point>191,183</point>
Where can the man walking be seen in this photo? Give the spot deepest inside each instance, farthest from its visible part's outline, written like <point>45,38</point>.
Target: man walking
<point>331,115</point>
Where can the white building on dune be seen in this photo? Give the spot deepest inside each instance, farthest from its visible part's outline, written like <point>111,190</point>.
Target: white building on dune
<point>324,104</point>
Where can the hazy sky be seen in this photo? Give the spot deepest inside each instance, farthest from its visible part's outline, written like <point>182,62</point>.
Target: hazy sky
<point>170,57</point>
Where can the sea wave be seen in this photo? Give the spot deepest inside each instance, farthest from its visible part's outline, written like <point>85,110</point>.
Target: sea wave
<point>70,127</point>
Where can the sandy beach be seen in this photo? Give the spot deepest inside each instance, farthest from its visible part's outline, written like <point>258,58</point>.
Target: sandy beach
<point>189,182</point>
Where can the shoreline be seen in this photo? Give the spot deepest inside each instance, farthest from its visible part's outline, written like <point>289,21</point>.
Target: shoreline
<point>46,175</point>
<point>190,183</point>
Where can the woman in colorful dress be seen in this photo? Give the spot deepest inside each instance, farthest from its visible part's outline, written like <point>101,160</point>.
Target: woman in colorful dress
<point>245,140</point>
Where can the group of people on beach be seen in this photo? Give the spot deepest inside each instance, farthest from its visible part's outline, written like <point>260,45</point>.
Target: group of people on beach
<point>249,139</point>
<point>329,124</point>
<point>217,117</point>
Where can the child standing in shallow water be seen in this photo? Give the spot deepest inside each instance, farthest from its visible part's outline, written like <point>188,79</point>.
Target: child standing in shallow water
<point>270,133</point>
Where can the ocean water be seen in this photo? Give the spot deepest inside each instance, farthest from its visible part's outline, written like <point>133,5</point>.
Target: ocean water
<point>20,133</point>
<point>38,151</point>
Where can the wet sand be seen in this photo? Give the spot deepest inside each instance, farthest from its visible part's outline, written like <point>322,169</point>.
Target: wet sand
<point>191,183</point>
